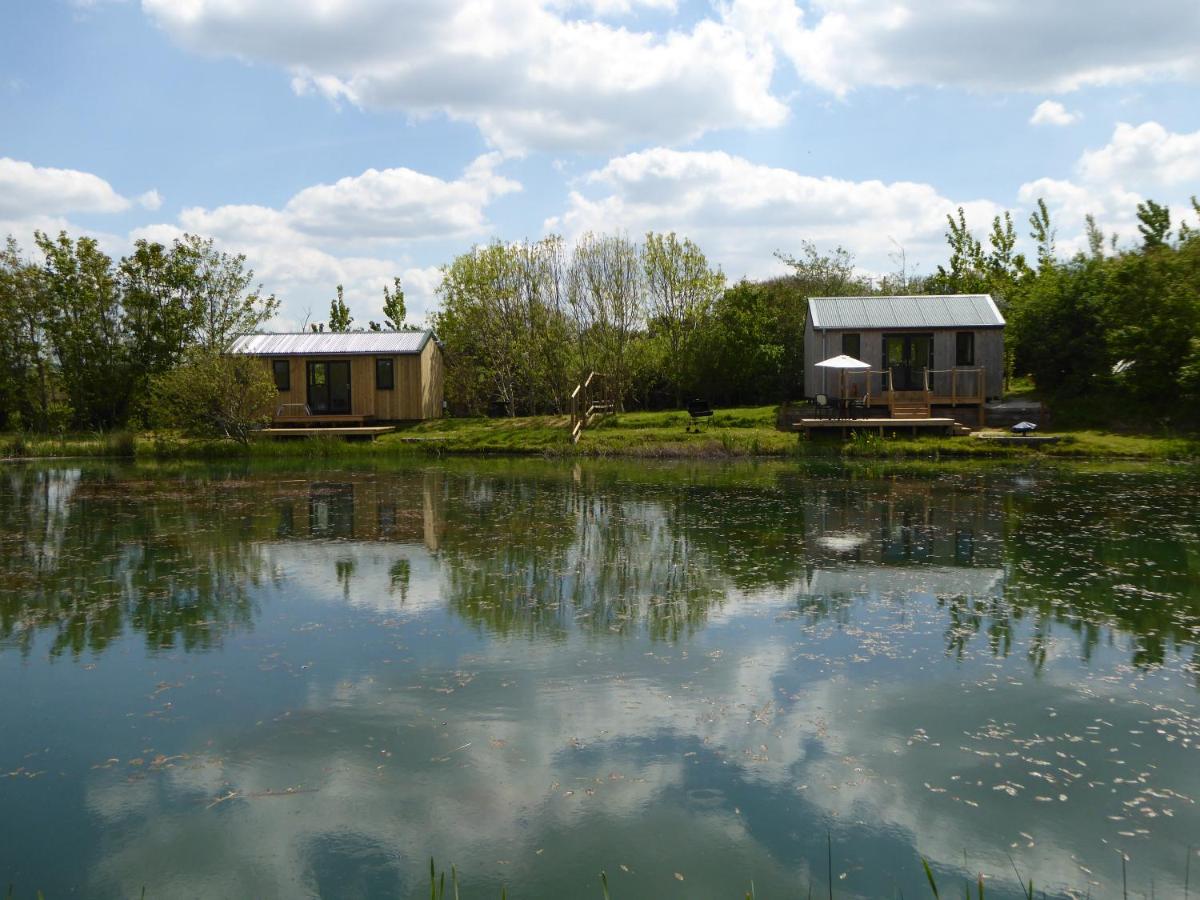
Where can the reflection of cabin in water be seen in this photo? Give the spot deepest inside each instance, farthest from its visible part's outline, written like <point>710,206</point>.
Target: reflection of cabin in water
<point>913,537</point>
<point>364,510</point>
<point>336,377</point>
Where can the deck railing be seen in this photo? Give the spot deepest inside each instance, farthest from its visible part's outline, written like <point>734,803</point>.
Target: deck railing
<point>959,385</point>
<point>589,401</point>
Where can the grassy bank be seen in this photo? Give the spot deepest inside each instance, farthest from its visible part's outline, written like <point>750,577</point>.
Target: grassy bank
<point>730,434</point>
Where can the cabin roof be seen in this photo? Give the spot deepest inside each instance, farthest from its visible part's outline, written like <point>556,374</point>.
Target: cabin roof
<point>326,343</point>
<point>915,311</point>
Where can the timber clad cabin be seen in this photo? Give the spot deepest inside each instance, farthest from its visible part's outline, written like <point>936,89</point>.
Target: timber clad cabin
<point>924,350</point>
<point>385,376</point>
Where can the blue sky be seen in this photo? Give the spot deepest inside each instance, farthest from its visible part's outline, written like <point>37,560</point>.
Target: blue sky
<point>353,140</point>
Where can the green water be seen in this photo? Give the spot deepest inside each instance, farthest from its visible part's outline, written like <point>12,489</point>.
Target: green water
<point>273,681</point>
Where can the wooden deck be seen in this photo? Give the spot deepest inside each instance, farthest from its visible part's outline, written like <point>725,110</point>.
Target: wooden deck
<point>922,423</point>
<point>317,419</point>
<point>348,431</point>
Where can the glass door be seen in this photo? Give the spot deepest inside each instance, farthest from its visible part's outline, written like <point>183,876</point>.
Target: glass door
<point>329,387</point>
<point>908,356</point>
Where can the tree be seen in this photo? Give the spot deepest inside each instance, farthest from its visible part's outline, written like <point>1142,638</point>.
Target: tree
<point>84,328</point>
<point>340,319</point>
<point>606,304</point>
<point>1154,224</point>
<point>1043,235</point>
<point>824,275</point>
<point>967,273</point>
<point>27,380</point>
<point>1095,237</point>
<point>225,306</point>
<point>681,290</point>
<point>747,350</point>
<point>159,309</point>
<point>215,394</point>
<point>506,334</point>
<point>1056,328</point>
<point>393,306</point>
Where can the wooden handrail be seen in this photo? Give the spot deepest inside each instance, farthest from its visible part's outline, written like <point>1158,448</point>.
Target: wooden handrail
<point>583,413</point>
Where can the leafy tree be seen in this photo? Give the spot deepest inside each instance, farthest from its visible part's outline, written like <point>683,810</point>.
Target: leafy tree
<point>817,274</point>
<point>84,328</point>
<point>340,319</point>
<point>225,304</point>
<point>27,379</point>
<point>966,274</point>
<point>215,394</point>
<point>1151,308</point>
<point>1043,234</point>
<point>1056,327</point>
<point>159,309</point>
<point>605,299</point>
<point>1154,224</point>
<point>681,290</point>
<point>1095,237</point>
<point>505,330</point>
<point>393,306</point>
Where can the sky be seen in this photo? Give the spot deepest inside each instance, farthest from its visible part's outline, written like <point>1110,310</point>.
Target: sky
<point>352,141</point>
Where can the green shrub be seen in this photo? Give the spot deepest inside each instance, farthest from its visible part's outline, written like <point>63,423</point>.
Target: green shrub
<point>215,395</point>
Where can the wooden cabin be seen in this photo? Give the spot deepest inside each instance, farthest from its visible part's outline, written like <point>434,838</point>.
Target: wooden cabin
<point>383,376</point>
<point>925,350</point>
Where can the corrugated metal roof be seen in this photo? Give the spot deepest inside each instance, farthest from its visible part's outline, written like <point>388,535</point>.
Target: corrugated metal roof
<point>309,343</point>
<point>917,311</point>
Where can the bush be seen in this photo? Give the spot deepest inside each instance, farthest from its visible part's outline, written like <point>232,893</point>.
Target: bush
<point>216,395</point>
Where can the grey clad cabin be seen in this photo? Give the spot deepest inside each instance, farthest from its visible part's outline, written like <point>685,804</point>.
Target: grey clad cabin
<point>924,350</point>
<point>350,377</point>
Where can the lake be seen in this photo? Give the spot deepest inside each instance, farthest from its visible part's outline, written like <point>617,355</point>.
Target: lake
<point>279,680</point>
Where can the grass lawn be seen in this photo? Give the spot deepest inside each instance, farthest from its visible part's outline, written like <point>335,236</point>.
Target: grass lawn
<point>730,433</point>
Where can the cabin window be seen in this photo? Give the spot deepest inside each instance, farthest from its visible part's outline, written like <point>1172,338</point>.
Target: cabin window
<point>852,345</point>
<point>385,373</point>
<point>282,370</point>
<point>964,352</point>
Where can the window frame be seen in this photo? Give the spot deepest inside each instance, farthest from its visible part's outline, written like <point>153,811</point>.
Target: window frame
<point>391,369</point>
<point>287,372</point>
<point>857,336</point>
<point>958,349</point>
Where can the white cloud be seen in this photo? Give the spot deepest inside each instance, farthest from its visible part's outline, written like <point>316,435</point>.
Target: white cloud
<point>525,74</point>
<point>150,200</point>
<point>1051,112</point>
<point>740,212</point>
<point>400,203</point>
<point>27,190</point>
<point>317,239</point>
<point>1138,162</point>
<point>988,44</point>
<point>1147,155</point>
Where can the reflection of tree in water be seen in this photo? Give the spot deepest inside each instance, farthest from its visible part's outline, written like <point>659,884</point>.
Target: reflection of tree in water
<point>87,556</point>
<point>1089,555</point>
<point>525,556</point>
<point>1082,561</point>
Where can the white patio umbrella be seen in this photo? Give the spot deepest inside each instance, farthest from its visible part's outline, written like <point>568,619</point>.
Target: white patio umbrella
<point>842,362</point>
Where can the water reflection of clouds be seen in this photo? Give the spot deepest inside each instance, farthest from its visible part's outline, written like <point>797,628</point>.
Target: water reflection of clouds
<point>848,743</point>
<point>820,718</point>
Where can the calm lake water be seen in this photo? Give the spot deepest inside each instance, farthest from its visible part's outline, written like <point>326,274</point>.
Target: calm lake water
<point>266,681</point>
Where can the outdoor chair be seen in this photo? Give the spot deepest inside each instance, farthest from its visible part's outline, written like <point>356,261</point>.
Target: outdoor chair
<point>822,406</point>
<point>698,410</point>
<point>855,406</point>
